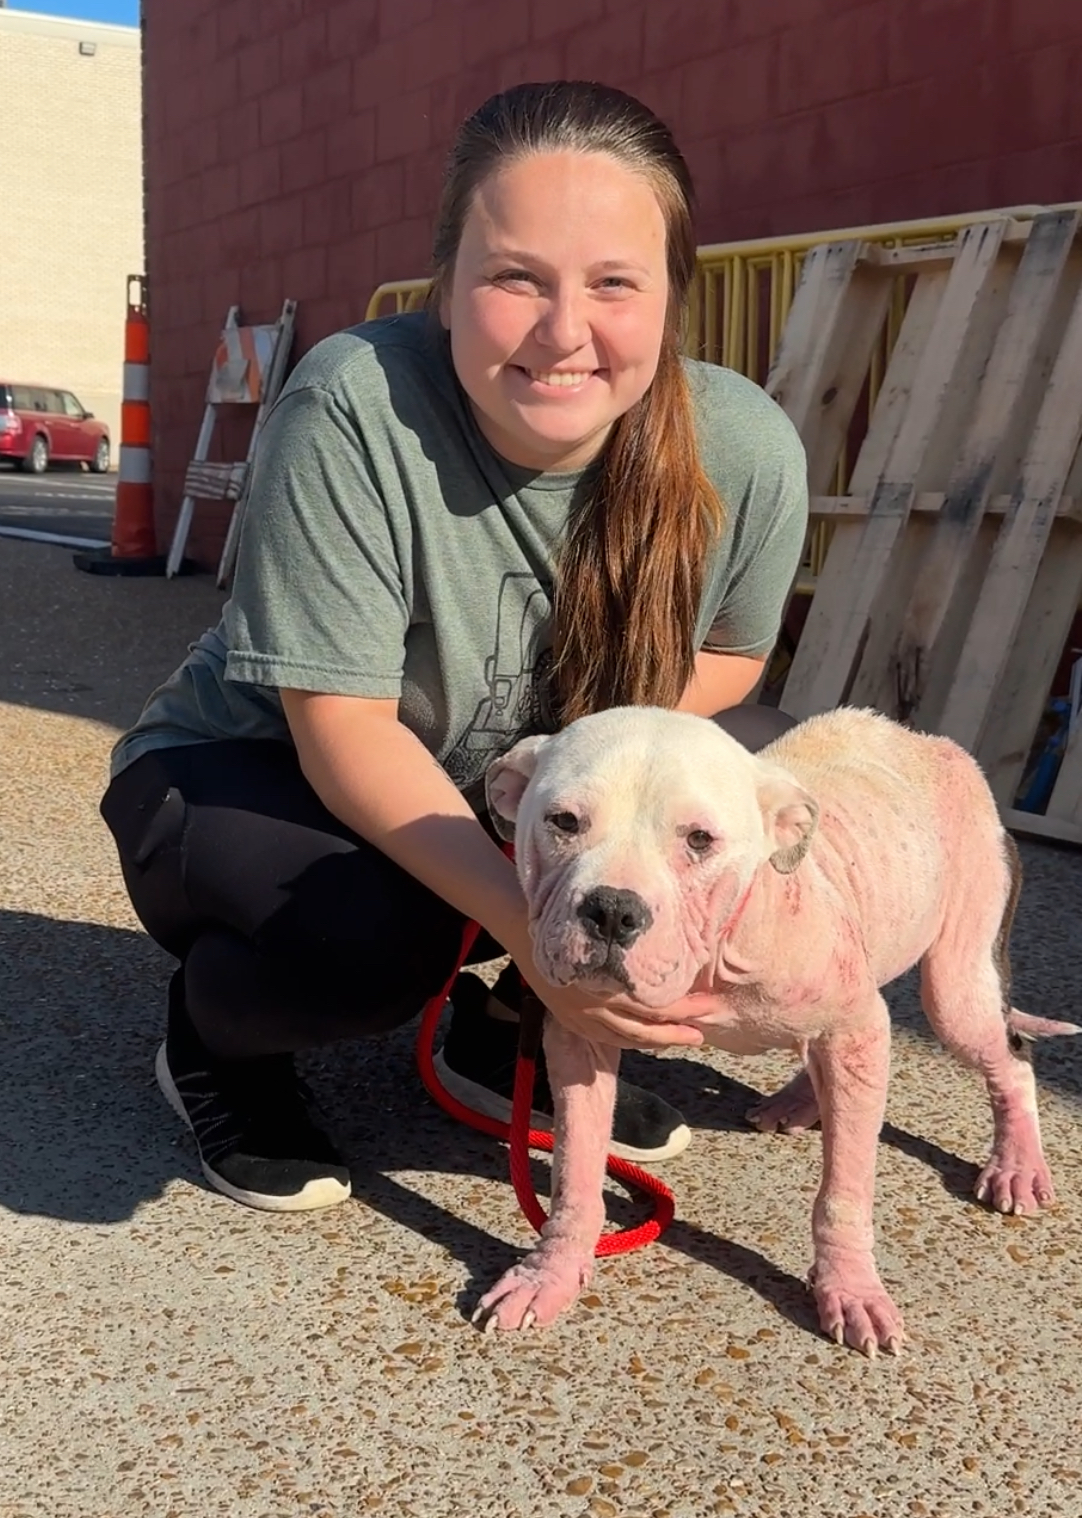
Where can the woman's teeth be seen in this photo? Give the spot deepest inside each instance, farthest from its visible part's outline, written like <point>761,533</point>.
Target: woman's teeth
<point>566,380</point>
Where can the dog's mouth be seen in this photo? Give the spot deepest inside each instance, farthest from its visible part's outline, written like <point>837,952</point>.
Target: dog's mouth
<point>604,969</point>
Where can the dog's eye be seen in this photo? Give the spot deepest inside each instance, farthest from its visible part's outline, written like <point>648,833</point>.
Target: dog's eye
<point>699,840</point>
<point>563,822</point>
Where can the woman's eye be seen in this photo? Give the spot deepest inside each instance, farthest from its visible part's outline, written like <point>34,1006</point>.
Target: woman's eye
<point>699,840</point>
<point>514,277</point>
<point>563,822</point>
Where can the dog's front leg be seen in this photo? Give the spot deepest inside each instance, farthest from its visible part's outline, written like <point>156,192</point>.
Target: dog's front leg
<point>535,1291</point>
<point>850,1067</point>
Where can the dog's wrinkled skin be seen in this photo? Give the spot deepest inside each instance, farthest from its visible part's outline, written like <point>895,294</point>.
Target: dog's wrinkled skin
<point>781,891</point>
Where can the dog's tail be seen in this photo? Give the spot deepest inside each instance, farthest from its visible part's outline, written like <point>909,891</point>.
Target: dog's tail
<point>1031,1028</point>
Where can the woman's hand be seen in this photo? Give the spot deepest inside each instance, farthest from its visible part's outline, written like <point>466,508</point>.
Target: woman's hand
<point>616,1021</point>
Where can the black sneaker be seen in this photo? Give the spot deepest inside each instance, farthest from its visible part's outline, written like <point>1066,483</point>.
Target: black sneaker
<point>477,1066</point>
<point>256,1139</point>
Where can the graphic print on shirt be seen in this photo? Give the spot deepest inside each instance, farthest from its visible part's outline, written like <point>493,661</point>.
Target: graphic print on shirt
<point>516,678</point>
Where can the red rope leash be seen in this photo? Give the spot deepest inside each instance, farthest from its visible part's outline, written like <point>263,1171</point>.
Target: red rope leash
<point>523,1138</point>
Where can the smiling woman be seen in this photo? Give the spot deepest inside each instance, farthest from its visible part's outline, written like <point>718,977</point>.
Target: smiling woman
<point>564,254</point>
<point>465,525</point>
<point>553,346</point>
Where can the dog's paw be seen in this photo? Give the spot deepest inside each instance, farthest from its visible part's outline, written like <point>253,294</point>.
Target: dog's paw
<point>793,1109</point>
<point>857,1311</point>
<point>1016,1180</point>
<point>535,1292</point>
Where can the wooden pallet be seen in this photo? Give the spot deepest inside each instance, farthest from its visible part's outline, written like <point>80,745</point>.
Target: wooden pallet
<point>954,569</point>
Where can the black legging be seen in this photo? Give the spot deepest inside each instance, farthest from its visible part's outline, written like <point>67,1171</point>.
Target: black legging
<point>292,931</point>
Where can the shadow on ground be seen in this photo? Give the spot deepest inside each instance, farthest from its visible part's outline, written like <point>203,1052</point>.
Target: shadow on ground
<point>93,646</point>
<point>87,1137</point>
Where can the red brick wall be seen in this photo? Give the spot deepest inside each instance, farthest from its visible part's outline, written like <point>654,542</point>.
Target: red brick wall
<point>294,147</point>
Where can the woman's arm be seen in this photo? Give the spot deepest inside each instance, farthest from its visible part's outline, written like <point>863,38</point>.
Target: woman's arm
<point>720,681</point>
<point>380,780</point>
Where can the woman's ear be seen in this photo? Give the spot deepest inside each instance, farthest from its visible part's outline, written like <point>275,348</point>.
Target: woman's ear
<point>506,780</point>
<point>790,816</point>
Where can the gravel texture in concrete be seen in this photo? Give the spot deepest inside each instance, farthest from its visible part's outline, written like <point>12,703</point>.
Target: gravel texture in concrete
<point>167,1353</point>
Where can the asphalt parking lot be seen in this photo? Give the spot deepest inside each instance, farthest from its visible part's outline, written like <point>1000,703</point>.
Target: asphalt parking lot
<point>64,501</point>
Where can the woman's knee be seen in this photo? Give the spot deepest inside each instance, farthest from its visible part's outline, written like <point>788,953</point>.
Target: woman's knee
<point>754,726</point>
<point>146,816</point>
<point>245,1004</point>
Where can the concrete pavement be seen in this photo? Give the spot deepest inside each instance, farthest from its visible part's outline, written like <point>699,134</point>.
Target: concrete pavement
<point>168,1353</point>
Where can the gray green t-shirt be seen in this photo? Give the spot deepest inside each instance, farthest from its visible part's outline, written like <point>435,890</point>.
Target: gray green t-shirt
<point>388,551</point>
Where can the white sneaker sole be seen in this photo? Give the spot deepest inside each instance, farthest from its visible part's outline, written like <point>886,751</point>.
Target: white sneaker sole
<point>326,1192</point>
<point>492,1104</point>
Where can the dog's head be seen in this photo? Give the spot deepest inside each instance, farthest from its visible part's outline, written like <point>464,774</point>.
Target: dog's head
<point>637,832</point>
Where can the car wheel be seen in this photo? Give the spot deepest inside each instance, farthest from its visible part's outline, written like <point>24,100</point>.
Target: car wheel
<point>37,460</point>
<point>99,464</point>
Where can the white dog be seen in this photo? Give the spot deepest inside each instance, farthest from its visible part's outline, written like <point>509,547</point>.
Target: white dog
<point>769,897</point>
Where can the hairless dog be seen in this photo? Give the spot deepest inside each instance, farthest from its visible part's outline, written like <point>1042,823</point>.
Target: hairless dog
<point>768,898</point>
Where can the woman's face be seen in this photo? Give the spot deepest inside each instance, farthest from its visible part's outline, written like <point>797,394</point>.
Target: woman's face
<point>557,304</point>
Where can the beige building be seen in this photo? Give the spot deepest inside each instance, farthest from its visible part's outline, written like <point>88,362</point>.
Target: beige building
<point>72,228</point>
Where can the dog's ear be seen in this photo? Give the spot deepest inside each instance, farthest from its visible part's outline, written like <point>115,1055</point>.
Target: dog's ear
<point>506,780</point>
<point>790,816</point>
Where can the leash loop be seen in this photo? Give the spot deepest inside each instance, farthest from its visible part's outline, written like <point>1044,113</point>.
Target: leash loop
<point>520,1136</point>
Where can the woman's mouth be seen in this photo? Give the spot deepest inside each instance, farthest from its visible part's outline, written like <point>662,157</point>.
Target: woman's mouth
<point>557,379</point>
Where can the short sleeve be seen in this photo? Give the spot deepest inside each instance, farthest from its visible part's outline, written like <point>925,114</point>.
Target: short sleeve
<point>319,601</point>
<point>768,535</point>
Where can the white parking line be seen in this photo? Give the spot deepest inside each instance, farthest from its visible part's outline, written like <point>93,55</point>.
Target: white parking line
<point>20,509</point>
<point>52,537</point>
<point>100,493</point>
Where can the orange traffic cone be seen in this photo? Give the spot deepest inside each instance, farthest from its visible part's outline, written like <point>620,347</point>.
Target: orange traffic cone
<point>133,549</point>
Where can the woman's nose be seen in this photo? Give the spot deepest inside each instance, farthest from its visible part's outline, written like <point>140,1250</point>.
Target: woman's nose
<point>565,325</point>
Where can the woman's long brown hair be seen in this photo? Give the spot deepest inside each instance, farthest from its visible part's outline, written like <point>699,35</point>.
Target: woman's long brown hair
<point>629,573</point>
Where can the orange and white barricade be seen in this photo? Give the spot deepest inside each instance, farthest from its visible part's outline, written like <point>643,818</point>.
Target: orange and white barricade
<point>133,519</point>
<point>133,548</point>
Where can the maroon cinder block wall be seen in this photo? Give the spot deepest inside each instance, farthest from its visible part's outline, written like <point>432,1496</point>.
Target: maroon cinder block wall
<point>294,147</point>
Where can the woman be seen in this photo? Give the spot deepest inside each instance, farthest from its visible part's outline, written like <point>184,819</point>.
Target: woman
<point>465,524</point>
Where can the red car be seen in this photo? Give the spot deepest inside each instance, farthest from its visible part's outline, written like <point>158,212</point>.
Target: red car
<point>39,425</point>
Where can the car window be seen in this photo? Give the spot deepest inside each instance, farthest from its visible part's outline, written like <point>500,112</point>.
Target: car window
<point>6,401</point>
<point>71,405</point>
<point>22,399</point>
<point>52,402</point>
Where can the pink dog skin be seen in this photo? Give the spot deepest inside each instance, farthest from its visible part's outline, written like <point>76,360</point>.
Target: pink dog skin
<point>768,898</point>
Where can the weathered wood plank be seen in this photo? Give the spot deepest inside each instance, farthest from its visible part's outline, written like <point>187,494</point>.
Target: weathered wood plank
<point>826,348</point>
<point>902,657</point>
<point>938,252</point>
<point>1060,828</point>
<point>1020,549</point>
<point>917,326</point>
<point>834,636</point>
<point>1022,691</point>
<point>1030,665</point>
<point>818,372</point>
<point>1065,802</point>
<point>927,503</point>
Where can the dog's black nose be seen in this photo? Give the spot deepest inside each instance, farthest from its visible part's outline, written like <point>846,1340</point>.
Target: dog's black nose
<point>615,917</point>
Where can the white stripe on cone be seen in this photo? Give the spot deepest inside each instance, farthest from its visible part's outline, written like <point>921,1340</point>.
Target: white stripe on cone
<point>134,467</point>
<point>136,382</point>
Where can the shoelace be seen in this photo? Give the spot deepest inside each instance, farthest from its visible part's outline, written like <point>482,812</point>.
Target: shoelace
<point>222,1111</point>
<point>216,1125</point>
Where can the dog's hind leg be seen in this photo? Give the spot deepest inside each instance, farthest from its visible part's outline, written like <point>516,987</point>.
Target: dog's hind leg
<point>965,990</point>
<point>792,1109</point>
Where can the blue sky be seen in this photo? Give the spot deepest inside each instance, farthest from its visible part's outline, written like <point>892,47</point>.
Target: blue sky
<point>120,12</point>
